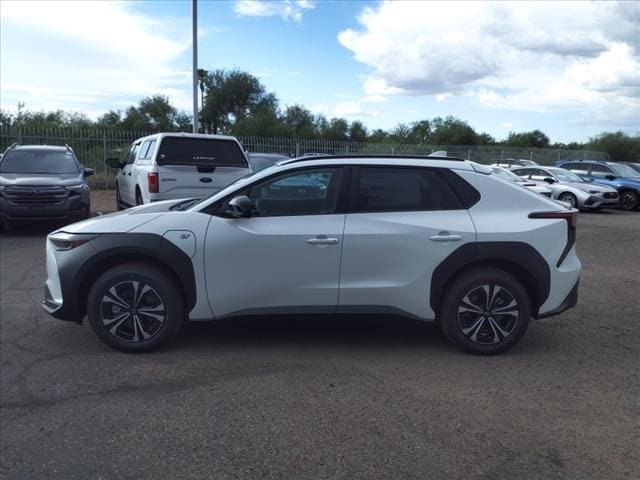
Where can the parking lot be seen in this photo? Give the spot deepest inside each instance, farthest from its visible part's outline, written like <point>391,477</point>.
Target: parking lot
<point>338,397</point>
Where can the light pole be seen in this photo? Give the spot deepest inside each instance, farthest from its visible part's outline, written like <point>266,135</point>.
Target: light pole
<point>202,75</point>
<point>194,18</point>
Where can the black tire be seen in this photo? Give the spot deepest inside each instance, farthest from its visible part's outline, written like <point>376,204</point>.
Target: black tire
<point>130,326</point>
<point>569,198</point>
<point>629,200</point>
<point>138,197</point>
<point>461,324</point>
<point>118,200</point>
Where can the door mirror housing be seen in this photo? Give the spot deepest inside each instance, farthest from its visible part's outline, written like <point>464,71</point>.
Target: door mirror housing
<point>114,162</point>
<point>549,180</point>
<point>88,172</point>
<point>239,207</point>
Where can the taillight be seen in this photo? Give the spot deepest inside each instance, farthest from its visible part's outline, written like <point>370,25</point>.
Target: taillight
<point>152,181</point>
<point>571,216</point>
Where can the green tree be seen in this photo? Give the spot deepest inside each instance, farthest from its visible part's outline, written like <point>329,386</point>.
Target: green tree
<point>231,96</point>
<point>337,129</point>
<point>420,132</point>
<point>620,146</point>
<point>357,131</point>
<point>452,131</point>
<point>111,119</point>
<point>298,122</point>
<point>533,139</point>
<point>153,113</point>
<point>378,136</point>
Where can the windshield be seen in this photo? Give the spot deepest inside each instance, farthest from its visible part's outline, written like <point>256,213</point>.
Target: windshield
<point>624,171</point>
<point>528,163</point>
<point>566,176</point>
<point>39,160</point>
<point>507,175</point>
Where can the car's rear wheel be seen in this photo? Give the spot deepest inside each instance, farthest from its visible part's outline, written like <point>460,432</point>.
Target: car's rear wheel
<point>485,311</point>
<point>135,307</point>
<point>629,200</point>
<point>570,198</point>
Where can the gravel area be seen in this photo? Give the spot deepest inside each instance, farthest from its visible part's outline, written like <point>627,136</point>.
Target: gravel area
<point>327,398</point>
<point>103,201</point>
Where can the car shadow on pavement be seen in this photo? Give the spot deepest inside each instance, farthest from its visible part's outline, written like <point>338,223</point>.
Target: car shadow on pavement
<point>309,330</point>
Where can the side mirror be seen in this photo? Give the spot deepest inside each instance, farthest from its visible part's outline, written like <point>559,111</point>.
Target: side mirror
<point>114,162</point>
<point>239,207</point>
<point>549,180</point>
<point>610,177</point>
<point>88,172</point>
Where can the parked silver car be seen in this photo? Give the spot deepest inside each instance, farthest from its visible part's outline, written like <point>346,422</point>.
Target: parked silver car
<point>533,186</point>
<point>510,163</point>
<point>571,188</point>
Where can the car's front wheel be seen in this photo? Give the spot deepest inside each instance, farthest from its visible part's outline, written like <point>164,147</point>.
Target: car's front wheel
<point>570,198</point>
<point>485,311</point>
<point>135,307</point>
<point>629,200</point>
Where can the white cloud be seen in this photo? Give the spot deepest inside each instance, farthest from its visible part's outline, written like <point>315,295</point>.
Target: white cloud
<point>85,55</point>
<point>516,55</point>
<point>354,108</point>
<point>506,125</point>
<point>286,9</point>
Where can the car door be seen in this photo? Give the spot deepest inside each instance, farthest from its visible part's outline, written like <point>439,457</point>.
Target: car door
<point>401,224</point>
<point>125,181</point>
<point>602,174</point>
<point>285,258</point>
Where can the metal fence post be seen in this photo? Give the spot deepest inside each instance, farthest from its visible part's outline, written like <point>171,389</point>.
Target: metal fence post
<point>104,157</point>
<point>297,149</point>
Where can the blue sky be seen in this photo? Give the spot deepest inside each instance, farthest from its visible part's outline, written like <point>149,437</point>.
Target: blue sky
<point>571,69</point>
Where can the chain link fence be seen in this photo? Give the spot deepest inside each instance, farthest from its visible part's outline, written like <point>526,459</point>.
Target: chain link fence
<point>94,146</point>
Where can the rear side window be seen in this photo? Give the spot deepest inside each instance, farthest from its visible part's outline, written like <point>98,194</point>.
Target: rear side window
<point>200,152</point>
<point>577,167</point>
<point>381,189</point>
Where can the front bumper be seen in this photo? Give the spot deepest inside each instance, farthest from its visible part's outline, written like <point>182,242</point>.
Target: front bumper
<point>72,209</point>
<point>598,201</point>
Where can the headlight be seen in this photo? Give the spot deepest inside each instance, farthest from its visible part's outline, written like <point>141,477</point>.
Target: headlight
<point>69,241</point>
<point>78,188</point>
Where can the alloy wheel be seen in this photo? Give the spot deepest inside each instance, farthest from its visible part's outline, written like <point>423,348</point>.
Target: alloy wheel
<point>488,314</point>
<point>132,311</point>
<point>570,199</point>
<point>628,201</point>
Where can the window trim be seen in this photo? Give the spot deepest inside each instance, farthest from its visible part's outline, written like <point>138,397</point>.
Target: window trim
<point>354,190</point>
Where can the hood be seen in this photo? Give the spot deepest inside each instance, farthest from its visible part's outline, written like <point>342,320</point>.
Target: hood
<point>41,179</point>
<point>124,220</point>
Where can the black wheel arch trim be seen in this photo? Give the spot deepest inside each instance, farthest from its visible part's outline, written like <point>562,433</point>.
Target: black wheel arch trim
<point>520,259</point>
<point>80,267</point>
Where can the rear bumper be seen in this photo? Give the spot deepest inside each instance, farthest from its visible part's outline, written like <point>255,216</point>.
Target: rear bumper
<point>569,302</point>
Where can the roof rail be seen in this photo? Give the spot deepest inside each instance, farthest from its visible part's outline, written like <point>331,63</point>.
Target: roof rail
<point>68,147</point>
<point>13,145</point>
<point>366,155</point>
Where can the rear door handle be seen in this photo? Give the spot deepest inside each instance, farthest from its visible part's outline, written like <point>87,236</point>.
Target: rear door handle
<point>445,237</point>
<point>322,240</point>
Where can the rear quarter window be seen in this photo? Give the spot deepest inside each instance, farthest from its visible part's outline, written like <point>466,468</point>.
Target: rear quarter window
<point>200,152</point>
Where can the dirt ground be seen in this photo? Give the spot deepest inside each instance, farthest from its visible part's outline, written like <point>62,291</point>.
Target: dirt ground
<point>103,201</point>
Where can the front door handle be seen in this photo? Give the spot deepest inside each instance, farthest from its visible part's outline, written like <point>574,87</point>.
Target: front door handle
<point>445,237</point>
<point>322,240</point>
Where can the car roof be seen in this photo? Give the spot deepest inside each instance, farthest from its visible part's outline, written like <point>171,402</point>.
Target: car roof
<point>387,160</point>
<point>41,147</point>
<point>160,136</point>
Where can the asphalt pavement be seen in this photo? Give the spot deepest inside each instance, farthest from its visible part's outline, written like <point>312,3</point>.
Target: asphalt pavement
<point>362,397</point>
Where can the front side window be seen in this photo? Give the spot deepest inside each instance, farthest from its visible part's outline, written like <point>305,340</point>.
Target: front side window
<point>598,170</point>
<point>306,192</point>
<point>131,156</point>
<point>625,171</point>
<point>383,189</point>
<point>26,160</point>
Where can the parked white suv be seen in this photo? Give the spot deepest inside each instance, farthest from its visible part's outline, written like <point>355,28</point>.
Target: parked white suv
<point>167,166</point>
<point>433,239</point>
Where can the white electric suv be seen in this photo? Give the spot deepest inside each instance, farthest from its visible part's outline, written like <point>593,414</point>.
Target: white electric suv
<point>435,239</point>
